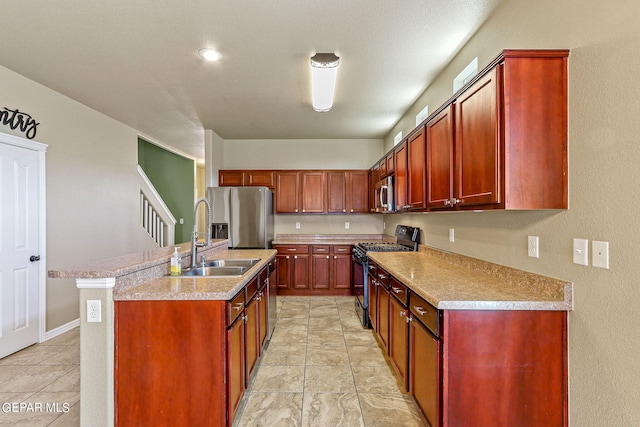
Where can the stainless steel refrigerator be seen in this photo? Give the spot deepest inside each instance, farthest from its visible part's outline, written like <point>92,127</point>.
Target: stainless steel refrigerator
<point>244,215</point>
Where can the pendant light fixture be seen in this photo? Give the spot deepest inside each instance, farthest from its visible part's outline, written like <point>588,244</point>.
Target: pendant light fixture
<point>324,70</point>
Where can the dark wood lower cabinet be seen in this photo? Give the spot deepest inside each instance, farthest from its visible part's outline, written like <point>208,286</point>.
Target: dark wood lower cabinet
<point>314,270</point>
<point>424,371</point>
<point>475,367</point>
<point>236,368</point>
<point>399,341</point>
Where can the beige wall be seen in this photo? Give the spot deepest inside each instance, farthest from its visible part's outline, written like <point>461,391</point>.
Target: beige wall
<point>92,192</point>
<point>604,153</point>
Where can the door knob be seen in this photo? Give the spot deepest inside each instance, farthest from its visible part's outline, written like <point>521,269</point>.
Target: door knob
<point>34,258</point>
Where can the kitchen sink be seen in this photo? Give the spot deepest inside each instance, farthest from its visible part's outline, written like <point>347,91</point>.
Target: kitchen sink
<point>214,271</point>
<point>248,262</point>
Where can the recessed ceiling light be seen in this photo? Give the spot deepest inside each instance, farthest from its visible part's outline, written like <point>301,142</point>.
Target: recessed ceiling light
<point>210,54</point>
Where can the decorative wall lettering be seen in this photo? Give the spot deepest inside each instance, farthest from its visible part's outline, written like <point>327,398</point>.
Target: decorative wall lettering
<point>16,119</point>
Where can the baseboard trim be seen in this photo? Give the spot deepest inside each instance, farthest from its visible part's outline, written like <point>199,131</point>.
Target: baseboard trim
<point>61,329</point>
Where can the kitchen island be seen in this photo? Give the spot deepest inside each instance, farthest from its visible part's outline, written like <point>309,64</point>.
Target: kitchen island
<point>135,289</point>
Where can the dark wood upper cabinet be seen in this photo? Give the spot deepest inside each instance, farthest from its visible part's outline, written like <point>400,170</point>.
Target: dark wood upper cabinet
<point>439,133</point>
<point>401,178</point>
<point>357,186</point>
<point>312,191</point>
<point>287,192</point>
<point>510,137</point>
<point>416,171</point>
<point>336,192</point>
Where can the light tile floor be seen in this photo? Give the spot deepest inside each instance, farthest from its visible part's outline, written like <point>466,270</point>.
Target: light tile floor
<point>320,369</point>
<point>323,369</point>
<point>45,379</point>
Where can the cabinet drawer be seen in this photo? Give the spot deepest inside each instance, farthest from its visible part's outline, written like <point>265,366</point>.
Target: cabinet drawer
<point>235,307</point>
<point>292,249</point>
<point>251,289</point>
<point>399,291</point>
<point>383,277</point>
<point>342,249</point>
<point>263,277</point>
<point>427,314</point>
<point>321,249</point>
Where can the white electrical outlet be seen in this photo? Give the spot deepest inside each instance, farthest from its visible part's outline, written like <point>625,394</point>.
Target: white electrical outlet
<point>452,235</point>
<point>94,310</point>
<point>581,251</point>
<point>600,254</point>
<point>533,247</point>
<point>347,225</point>
<point>297,225</point>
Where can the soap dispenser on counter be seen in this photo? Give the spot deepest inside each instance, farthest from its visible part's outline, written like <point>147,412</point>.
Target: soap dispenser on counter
<point>176,263</point>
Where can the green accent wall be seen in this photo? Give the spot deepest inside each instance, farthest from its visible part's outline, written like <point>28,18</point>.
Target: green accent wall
<point>174,179</point>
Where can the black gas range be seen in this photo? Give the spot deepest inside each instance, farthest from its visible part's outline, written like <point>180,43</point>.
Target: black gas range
<point>407,239</point>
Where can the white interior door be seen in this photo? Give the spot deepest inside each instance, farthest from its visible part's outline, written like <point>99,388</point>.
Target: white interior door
<point>20,244</point>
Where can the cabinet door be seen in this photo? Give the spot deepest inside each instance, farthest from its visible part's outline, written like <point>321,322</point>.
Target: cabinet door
<point>300,274</point>
<point>399,340</point>
<point>287,192</point>
<point>373,302</point>
<point>383,317</point>
<point>357,191</point>
<point>341,271</point>
<point>252,337</point>
<point>372,191</point>
<point>477,148</point>
<point>312,187</point>
<point>400,183</point>
<point>320,265</point>
<point>229,178</point>
<point>336,192</point>
<point>440,160</point>
<point>263,313</point>
<point>284,271</point>
<point>258,179</point>
<point>235,365</point>
<point>424,371</point>
<point>416,171</point>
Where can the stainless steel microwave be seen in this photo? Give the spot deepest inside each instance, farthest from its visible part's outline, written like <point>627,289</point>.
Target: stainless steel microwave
<point>384,195</point>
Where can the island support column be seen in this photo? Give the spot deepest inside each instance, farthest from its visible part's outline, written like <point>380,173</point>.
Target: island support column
<point>97,354</point>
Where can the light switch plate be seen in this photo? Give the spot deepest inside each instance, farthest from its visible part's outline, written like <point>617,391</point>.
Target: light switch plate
<point>452,235</point>
<point>581,251</point>
<point>600,254</point>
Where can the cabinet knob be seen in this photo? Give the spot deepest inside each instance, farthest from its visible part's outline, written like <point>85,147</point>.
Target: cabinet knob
<point>344,210</point>
<point>335,257</point>
<point>396,290</point>
<point>303,210</point>
<point>352,210</point>
<point>327,256</point>
<point>447,202</point>
<point>295,257</point>
<point>296,210</point>
<point>287,257</point>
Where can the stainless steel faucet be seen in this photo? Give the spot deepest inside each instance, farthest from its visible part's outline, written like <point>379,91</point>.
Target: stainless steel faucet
<point>194,239</point>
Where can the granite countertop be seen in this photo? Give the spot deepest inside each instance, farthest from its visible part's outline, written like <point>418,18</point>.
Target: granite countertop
<point>330,239</point>
<point>198,288</point>
<point>455,282</point>
<point>130,263</point>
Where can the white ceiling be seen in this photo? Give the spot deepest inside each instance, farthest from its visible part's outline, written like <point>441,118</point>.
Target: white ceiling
<point>137,61</point>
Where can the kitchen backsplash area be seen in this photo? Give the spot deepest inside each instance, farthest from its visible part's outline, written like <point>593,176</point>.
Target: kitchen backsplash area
<point>328,224</point>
